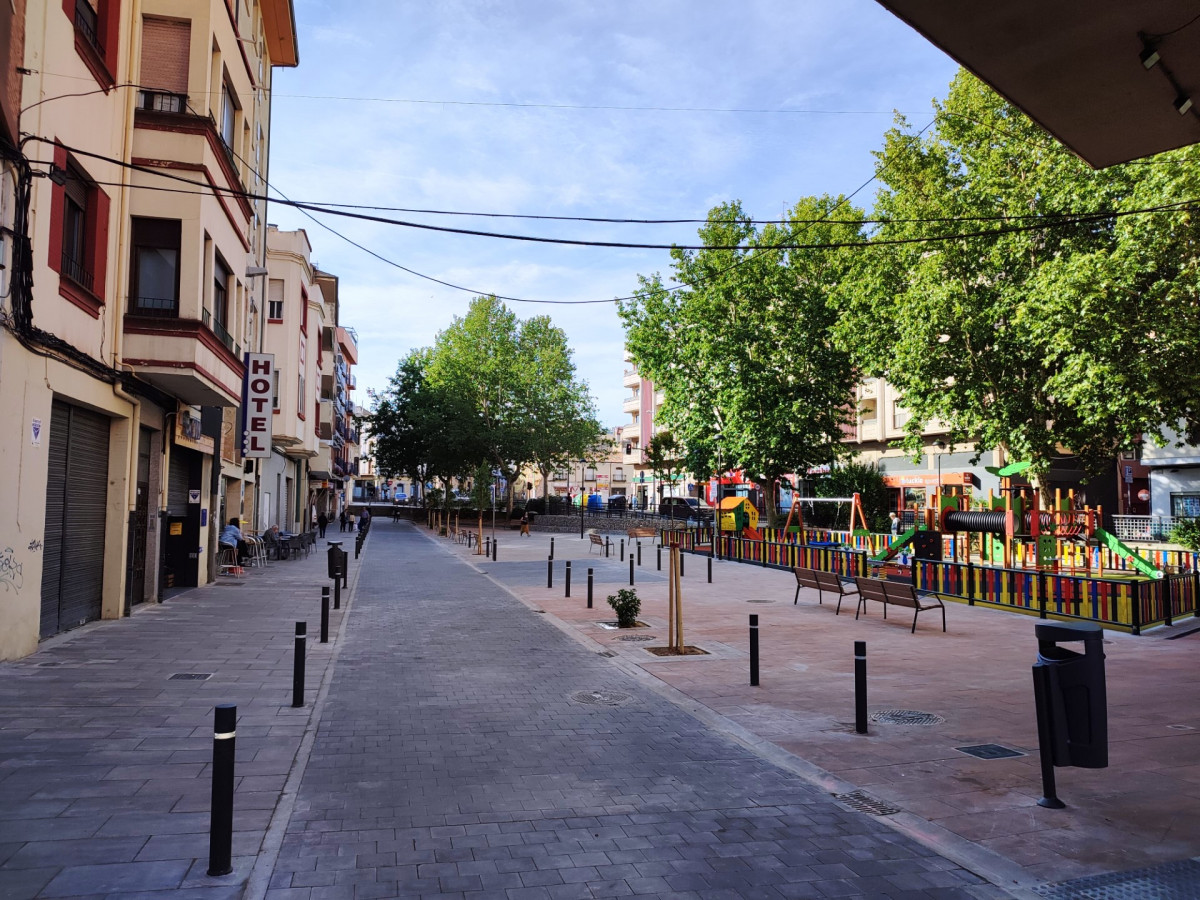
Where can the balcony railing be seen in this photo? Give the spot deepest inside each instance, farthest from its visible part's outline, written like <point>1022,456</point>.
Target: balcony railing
<point>73,269</point>
<point>162,101</point>
<point>158,307</point>
<point>85,23</point>
<point>225,337</point>
<point>1144,528</point>
<point>632,398</point>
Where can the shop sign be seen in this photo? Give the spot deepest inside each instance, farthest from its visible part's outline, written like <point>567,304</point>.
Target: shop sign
<point>256,404</point>
<point>929,479</point>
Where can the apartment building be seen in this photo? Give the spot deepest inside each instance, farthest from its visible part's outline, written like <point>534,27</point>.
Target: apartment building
<point>133,297</point>
<point>642,404</point>
<point>330,476</point>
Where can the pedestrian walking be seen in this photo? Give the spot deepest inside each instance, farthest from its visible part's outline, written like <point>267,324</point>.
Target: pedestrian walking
<point>525,525</point>
<point>342,521</point>
<point>895,524</point>
<point>322,523</point>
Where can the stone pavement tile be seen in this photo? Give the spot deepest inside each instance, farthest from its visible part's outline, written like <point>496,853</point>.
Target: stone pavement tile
<point>114,877</point>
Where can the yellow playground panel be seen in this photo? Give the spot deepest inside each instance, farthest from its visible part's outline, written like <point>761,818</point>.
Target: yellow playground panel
<point>737,513</point>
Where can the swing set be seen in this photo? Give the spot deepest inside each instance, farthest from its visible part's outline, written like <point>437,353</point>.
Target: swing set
<point>856,512</point>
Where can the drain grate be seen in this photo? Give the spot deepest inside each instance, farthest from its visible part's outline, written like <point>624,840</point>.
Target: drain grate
<point>1169,881</point>
<point>638,637</point>
<point>905,717</point>
<point>601,698</point>
<point>864,802</point>
<point>760,600</point>
<point>190,676</point>
<point>989,751</point>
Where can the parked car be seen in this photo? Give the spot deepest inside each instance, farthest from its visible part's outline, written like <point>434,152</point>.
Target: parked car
<point>685,508</point>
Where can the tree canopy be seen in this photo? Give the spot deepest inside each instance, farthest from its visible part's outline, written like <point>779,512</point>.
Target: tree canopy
<point>743,353</point>
<point>1070,325</point>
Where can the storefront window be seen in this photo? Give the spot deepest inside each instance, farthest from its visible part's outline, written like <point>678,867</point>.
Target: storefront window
<point>1185,505</point>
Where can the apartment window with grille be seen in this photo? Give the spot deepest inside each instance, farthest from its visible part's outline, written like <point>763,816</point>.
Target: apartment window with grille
<point>96,24</point>
<point>164,66</point>
<point>221,276</point>
<point>78,245</point>
<point>275,391</point>
<point>87,21</point>
<point>275,300</point>
<point>619,473</point>
<point>154,269</point>
<point>228,116</point>
<point>589,474</point>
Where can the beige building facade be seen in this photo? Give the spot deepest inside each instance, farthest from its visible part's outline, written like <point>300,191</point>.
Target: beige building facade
<point>128,307</point>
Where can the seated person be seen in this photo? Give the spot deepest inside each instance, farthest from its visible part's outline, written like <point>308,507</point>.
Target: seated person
<point>231,536</point>
<point>273,541</point>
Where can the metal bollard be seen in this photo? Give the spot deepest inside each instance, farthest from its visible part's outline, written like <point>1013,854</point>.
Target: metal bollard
<point>345,569</point>
<point>487,546</point>
<point>552,548</point>
<point>860,687</point>
<point>681,563</point>
<point>337,593</point>
<point>1042,705</point>
<point>622,549</point>
<point>754,650</point>
<point>660,557</point>
<point>631,570</point>
<point>639,543</point>
<point>220,816</point>
<point>357,546</point>
<point>606,546</point>
<point>568,593</point>
<point>549,572</point>
<point>298,664</point>
<point>710,570</point>
<point>495,544</point>
<point>325,614</point>
<point>589,589</point>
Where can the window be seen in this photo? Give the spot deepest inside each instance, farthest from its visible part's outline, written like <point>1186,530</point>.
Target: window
<point>221,276</point>
<point>589,474</point>
<point>1185,505</point>
<point>275,391</point>
<point>164,68</point>
<point>900,415</point>
<point>78,245</point>
<point>96,24</point>
<point>275,300</point>
<point>154,268</point>
<point>228,116</point>
<point>619,473</point>
<point>300,397</point>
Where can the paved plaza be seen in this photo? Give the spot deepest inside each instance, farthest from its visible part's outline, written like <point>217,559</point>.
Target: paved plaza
<point>470,733</point>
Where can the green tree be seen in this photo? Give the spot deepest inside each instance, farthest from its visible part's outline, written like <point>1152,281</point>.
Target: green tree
<point>665,457</point>
<point>1077,335</point>
<point>743,353</point>
<point>850,477</point>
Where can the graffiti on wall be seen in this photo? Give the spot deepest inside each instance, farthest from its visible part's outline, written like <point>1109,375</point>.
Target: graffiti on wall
<point>10,570</point>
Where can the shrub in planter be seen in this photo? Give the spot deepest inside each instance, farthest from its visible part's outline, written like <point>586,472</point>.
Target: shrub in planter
<point>626,604</point>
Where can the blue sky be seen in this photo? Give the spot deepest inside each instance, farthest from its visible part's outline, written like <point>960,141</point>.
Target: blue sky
<point>488,106</point>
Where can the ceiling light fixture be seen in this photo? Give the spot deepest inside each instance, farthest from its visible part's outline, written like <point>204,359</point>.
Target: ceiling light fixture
<point>1182,104</point>
<point>1149,56</point>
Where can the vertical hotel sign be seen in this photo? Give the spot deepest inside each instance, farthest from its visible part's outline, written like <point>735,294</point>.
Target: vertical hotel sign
<point>256,404</point>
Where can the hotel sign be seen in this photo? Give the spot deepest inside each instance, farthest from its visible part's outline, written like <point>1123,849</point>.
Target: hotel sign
<point>257,392</point>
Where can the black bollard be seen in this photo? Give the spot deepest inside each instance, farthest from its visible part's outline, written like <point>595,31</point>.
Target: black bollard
<point>589,589</point>
<point>710,570</point>
<point>754,650</point>
<point>639,552</point>
<point>680,563</point>
<point>325,614</point>
<point>1042,705</point>
<point>568,586</point>
<point>487,546</point>
<point>220,815</point>
<point>660,557</point>
<point>345,569</point>
<point>631,570</point>
<point>298,664</point>
<point>860,687</point>
<point>357,545</point>
<point>549,572</point>
<point>606,546</point>
<point>495,544</point>
<point>337,593</point>
<point>622,549</point>
<point>552,548</point>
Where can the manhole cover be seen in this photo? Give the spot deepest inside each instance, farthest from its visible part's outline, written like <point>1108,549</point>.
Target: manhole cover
<point>638,637</point>
<point>866,803</point>
<point>905,717</point>
<point>1169,881</point>
<point>606,654</point>
<point>601,698</point>
<point>190,676</point>
<point>989,751</point>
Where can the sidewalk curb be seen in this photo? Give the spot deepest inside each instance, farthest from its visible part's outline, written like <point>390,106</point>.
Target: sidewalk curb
<point>259,880</point>
<point>994,868</point>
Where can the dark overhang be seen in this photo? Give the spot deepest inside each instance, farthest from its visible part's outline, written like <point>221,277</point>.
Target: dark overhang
<point>1079,67</point>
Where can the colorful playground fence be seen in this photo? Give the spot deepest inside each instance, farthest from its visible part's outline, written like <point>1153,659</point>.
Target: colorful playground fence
<point>1132,605</point>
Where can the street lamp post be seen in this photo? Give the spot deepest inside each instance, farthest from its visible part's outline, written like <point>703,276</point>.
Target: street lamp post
<point>582,495</point>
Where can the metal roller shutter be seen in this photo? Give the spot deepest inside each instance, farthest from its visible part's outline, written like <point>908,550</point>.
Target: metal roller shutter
<point>76,504</point>
<point>179,476</point>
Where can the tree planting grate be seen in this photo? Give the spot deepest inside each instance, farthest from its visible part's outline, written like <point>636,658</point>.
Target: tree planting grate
<point>905,717</point>
<point>1169,881</point>
<point>601,698</point>
<point>989,751</point>
<point>864,802</point>
<point>638,637</point>
<point>190,676</point>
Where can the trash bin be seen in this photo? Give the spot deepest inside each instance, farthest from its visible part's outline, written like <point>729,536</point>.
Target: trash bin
<point>334,559</point>
<point>1076,697</point>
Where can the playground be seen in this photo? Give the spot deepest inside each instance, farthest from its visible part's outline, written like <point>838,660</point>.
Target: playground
<point>1019,551</point>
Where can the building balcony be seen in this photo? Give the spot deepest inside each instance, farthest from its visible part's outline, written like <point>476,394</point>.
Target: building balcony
<point>630,377</point>
<point>185,358</point>
<point>631,403</point>
<point>869,430</point>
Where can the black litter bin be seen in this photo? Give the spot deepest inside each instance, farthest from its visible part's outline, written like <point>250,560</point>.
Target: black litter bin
<point>1076,698</point>
<point>335,559</point>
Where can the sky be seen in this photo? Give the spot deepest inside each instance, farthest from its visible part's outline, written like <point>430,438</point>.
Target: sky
<point>656,109</point>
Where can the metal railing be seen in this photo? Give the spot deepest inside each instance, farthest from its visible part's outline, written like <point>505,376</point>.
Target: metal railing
<point>158,307</point>
<point>73,269</point>
<point>161,101</point>
<point>1144,528</point>
<point>222,334</point>
<point>85,22</point>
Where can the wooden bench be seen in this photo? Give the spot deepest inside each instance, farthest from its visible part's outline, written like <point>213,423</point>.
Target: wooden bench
<point>594,541</point>
<point>823,581</point>
<point>898,593</point>
<point>646,531</point>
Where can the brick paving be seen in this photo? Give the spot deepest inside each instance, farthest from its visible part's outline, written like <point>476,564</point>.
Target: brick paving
<point>451,761</point>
